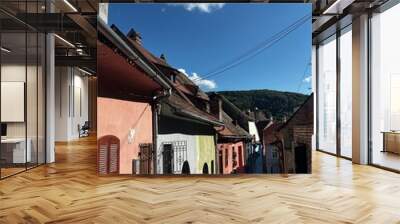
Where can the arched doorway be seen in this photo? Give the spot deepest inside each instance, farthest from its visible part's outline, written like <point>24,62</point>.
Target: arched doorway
<point>186,168</point>
<point>108,155</point>
<point>212,166</point>
<point>205,168</point>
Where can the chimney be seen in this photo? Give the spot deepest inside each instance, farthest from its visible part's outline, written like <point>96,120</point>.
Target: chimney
<point>162,57</point>
<point>216,106</point>
<point>135,36</point>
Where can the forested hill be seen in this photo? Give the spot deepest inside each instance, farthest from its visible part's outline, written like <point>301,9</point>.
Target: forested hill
<point>271,102</point>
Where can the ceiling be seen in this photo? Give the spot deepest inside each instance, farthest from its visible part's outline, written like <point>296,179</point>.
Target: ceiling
<point>74,22</point>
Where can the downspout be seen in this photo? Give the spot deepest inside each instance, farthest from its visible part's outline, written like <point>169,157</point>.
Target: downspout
<point>216,161</point>
<point>156,109</point>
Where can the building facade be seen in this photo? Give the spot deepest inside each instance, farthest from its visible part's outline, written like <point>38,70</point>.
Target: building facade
<point>288,145</point>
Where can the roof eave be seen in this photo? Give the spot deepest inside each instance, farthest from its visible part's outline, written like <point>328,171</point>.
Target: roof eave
<point>121,44</point>
<point>193,116</point>
<point>236,136</point>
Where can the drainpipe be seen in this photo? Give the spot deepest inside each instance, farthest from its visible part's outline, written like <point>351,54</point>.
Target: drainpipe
<point>216,161</point>
<point>156,109</point>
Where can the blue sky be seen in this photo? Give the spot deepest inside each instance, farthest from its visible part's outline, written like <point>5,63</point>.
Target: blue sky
<point>199,38</point>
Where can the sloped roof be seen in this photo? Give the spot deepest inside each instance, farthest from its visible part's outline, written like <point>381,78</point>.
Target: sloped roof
<point>182,105</point>
<point>189,87</point>
<point>305,108</point>
<point>148,55</point>
<point>233,111</point>
<point>231,130</point>
<point>183,82</point>
<point>184,108</point>
<point>274,126</point>
<point>120,78</point>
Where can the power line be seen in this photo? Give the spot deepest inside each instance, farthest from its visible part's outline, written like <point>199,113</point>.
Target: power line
<point>258,49</point>
<point>255,48</point>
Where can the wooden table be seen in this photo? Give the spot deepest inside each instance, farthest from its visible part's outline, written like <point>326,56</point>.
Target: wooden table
<point>391,141</point>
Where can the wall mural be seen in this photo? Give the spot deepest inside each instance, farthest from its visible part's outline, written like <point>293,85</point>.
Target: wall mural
<point>167,124</point>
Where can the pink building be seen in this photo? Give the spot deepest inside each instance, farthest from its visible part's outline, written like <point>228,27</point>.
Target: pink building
<point>231,157</point>
<point>130,122</point>
<point>232,138</point>
<point>128,91</point>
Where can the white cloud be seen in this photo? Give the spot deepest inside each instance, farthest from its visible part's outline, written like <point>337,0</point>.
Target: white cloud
<point>202,7</point>
<point>205,83</point>
<point>307,79</point>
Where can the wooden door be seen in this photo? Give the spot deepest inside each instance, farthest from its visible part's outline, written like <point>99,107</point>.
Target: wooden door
<point>146,158</point>
<point>167,158</point>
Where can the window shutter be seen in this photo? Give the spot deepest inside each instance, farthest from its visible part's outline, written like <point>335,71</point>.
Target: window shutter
<point>108,155</point>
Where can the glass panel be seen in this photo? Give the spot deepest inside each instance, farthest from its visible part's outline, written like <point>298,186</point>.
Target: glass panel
<point>327,95</point>
<point>13,89</point>
<point>385,92</point>
<point>41,99</point>
<point>31,99</point>
<point>32,89</point>
<point>346,93</point>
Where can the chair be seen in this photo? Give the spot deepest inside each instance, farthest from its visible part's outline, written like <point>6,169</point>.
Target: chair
<point>84,130</point>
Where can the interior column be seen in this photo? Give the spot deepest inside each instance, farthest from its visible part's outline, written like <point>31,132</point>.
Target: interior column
<point>50,92</point>
<point>360,90</point>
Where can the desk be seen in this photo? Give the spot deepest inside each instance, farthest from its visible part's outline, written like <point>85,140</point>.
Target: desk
<point>13,150</point>
<point>391,141</point>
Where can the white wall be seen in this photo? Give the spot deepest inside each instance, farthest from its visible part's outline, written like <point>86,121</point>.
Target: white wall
<point>71,92</point>
<point>253,130</point>
<point>14,73</point>
<point>191,150</point>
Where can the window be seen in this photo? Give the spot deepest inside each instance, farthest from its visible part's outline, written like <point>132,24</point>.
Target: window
<point>240,156</point>
<point>346,92</point>
<point>173,78</point>
<point>22,93</point>
<point>327,95</point>
<point>234,157</point>
<point>385,88</point>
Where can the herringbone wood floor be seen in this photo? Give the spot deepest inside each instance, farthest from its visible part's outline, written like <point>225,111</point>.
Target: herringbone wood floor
<point>70,192</point>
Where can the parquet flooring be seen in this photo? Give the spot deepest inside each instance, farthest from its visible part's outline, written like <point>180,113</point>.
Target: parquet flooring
<point>69,191</point>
